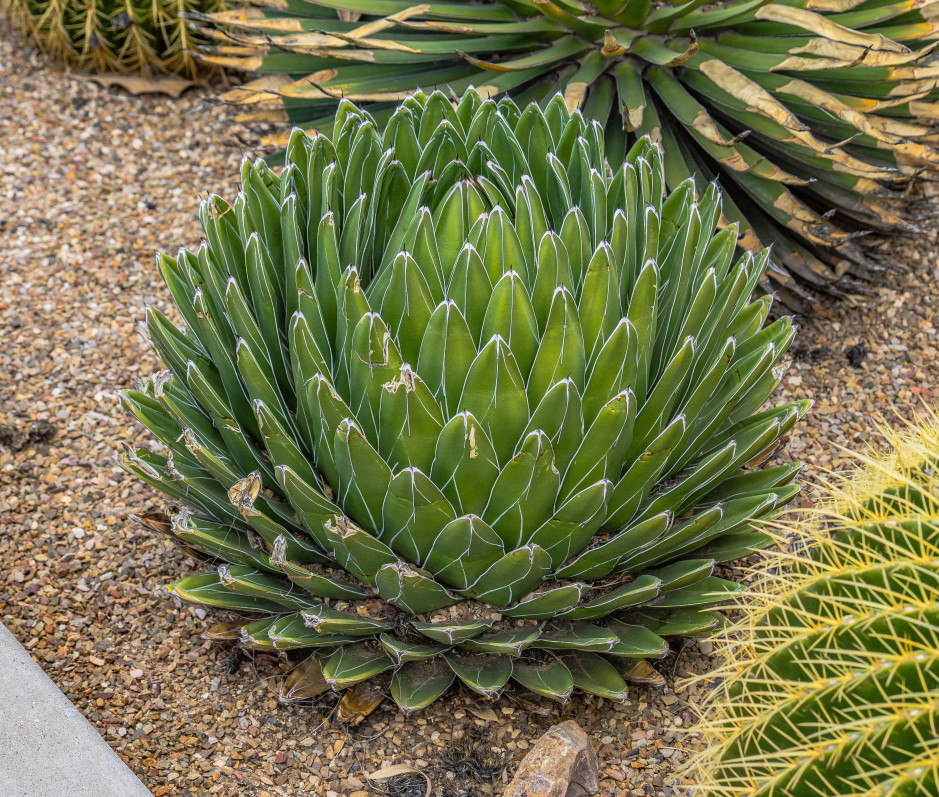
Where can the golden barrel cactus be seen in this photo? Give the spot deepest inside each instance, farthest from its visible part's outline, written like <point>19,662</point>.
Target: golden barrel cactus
<point>148,36</point>
<point>832,684</point>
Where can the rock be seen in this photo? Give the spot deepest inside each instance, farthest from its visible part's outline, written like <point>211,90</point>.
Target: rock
<point>856,354</point>
<point>561,764</point>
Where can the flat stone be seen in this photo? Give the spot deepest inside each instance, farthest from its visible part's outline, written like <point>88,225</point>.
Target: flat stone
<point>561,764</point>
<point>47,748</point>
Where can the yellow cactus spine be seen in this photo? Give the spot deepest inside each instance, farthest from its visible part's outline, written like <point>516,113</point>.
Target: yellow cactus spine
<point>147,36</point>
<point>831,681</point>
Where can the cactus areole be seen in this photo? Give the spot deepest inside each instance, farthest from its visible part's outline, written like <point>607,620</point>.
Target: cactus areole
<point>454,402</point>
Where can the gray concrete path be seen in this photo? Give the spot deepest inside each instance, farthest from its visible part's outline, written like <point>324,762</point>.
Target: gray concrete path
<point>47,748</point>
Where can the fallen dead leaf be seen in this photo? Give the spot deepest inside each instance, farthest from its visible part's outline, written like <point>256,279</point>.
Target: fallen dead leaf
<point>169,85</point>
<point>484,714</point>
<point>398,769</point>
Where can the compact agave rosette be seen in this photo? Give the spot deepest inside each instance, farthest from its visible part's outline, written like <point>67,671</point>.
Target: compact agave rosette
<point>457,400</point>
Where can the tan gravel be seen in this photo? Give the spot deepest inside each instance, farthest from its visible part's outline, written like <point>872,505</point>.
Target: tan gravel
<point>92,182</point>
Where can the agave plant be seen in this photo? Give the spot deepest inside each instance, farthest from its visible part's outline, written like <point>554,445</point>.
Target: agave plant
<point>802,108</point>
<point>455,401</point>
<point>832,676</point>
<point>114,35</point>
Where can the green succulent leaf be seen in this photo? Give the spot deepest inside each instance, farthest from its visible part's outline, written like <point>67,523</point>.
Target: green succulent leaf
<point>224,542</point>
<point>551,679</point>
<point>577,636</point>
<point>594,674</point>
<point>410,421</point>
<point>513,575</point>
<point>332,621</point>
<point>486,675</point>
<point>494,394</point>
<point>546,603</point>
<point>643,589</point>
<point>510,314</point>
<point>705,592</point>
<point>524,492</point>
<point>411,589</point>
<point>415,511</point>
<point>292,632</point>
<point>680,622</point>
<point>463,550</point>
<point>465,464</point>
<point>209,589</point>
<point>452,633</point>
<point>350,664</point>
<point>635,641</point>
<point>256,635</point>
<point>603,558</point>
<point>247,580</point>
<point>509,643</point>
<point>573,525</point>
<point>417,684</point>
<point>316,583</point>
<point>447,351</point>
<point>402,651</point>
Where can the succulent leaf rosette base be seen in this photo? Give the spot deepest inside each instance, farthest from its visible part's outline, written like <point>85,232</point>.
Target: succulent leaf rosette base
<point>455,399</point>
<point>814,114</point>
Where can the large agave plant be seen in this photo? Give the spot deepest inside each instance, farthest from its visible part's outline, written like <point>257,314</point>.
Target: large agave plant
<point>114,35</point>
<point>457,402</point>
<point>803,108</point>
<point>832,680</point>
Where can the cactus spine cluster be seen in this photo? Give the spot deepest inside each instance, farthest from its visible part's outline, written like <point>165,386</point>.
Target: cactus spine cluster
<point>115,35</point>
<point>833,674</point>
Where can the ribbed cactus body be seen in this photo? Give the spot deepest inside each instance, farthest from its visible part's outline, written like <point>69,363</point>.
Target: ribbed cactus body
<point>834,673</point>
<point>114,35</point>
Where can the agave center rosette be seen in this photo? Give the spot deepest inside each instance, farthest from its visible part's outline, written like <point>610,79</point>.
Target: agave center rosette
<point>454,403</point>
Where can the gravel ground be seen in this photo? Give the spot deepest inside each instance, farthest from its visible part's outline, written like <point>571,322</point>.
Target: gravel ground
<point>92,183</point>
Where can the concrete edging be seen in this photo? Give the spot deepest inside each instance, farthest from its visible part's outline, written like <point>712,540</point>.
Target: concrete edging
<point>47,748</point>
